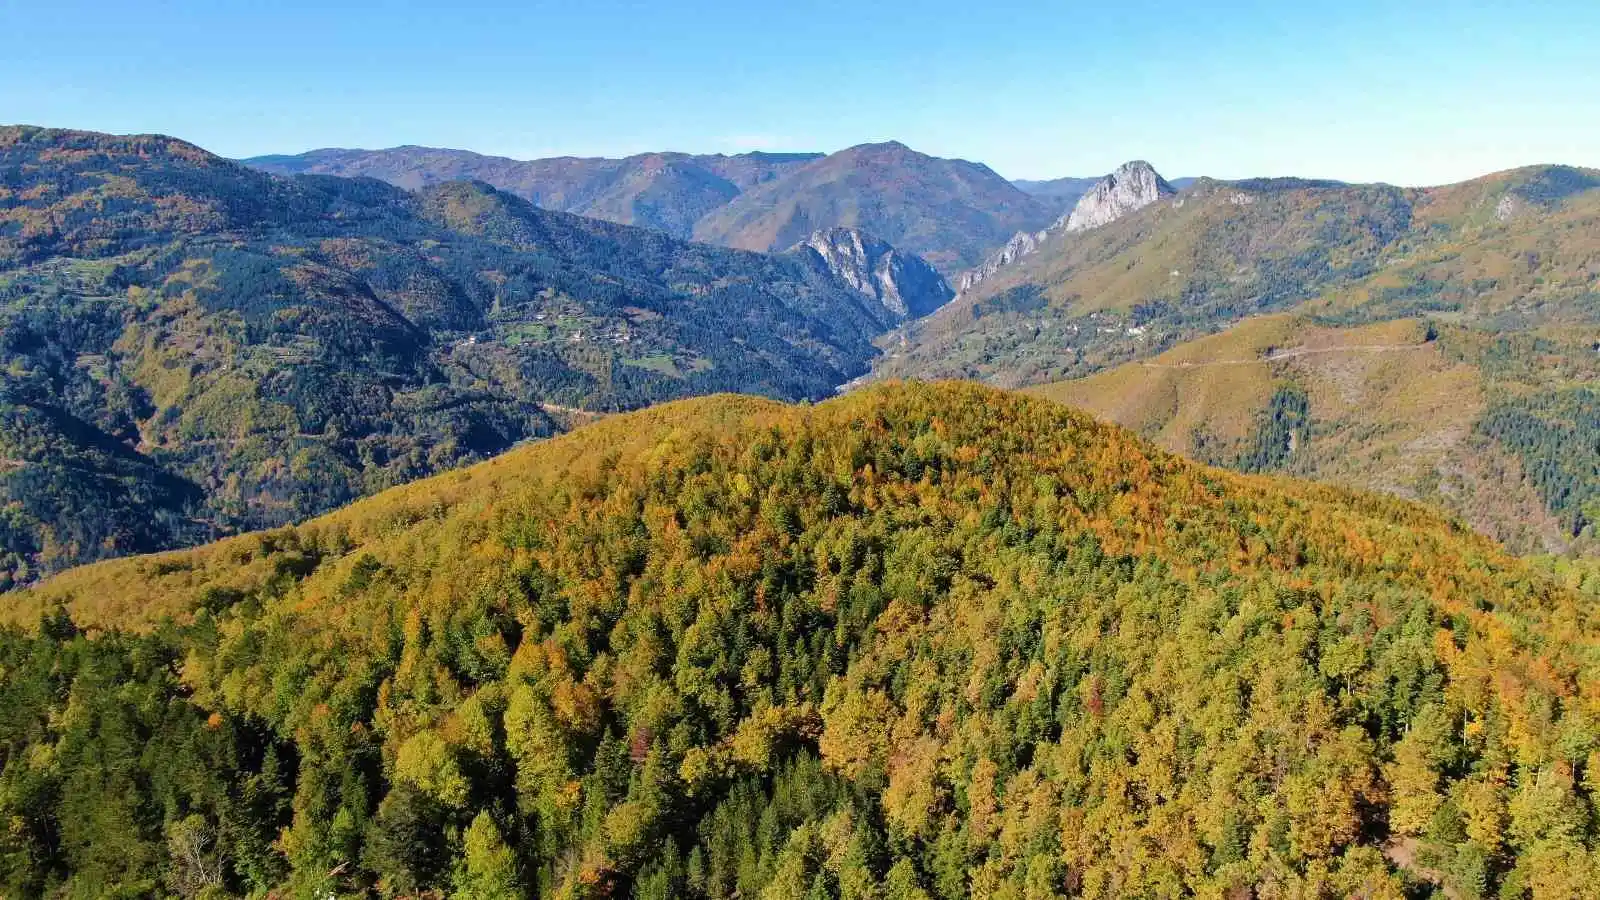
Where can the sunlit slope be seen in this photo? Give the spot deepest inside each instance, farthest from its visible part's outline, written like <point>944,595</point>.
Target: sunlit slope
<point>137,591</point>
<point>919,641</point>
<point>1516,249</point>
<point>1386,406</point>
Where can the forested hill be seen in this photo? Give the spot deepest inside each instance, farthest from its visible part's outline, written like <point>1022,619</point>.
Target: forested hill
<point>915,642</point>
<point>189,347</point>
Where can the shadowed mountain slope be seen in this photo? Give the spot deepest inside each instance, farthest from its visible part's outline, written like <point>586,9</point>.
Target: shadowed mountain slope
<point>951,212</point>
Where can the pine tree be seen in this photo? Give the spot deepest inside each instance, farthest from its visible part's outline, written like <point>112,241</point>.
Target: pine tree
<point>487,869</point>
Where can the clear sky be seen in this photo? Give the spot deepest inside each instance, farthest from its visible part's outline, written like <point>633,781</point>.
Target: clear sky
<point>1408,92</point>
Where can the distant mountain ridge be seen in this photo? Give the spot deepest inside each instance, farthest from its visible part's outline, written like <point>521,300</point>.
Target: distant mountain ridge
<point>665,191</point>
<point>1067,190</point>
<point>950,212</point>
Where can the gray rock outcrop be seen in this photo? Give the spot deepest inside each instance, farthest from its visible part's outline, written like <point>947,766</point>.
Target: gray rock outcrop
<point>1132,186</point>
<point>901,283</point>
<point>1021,244</point>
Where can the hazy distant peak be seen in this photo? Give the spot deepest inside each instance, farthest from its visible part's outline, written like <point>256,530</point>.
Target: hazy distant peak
<point>885,150</point>
<point>883,146</point>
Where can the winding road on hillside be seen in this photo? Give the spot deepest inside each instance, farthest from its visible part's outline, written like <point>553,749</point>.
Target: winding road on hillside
<point>570,410</point>
<point>1285,354</point>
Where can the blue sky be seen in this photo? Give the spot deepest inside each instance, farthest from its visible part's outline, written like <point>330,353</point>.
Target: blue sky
<point>1411,93</point>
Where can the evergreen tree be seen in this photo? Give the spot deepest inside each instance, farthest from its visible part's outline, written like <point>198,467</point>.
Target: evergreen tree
<point>487,869</point>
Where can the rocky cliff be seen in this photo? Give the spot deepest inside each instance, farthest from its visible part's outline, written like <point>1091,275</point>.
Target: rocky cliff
<point>1021,244</point>
<point>902,283</point>
<point>1132,186</point>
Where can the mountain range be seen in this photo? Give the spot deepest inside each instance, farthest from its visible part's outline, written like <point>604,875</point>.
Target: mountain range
<point>1491,416</point>
<point>234,350</point>
<point>665,191</point>
<point>1064,191</point>
<point>191,347</point>
<point>1262,634</point>
<point>951,212</point>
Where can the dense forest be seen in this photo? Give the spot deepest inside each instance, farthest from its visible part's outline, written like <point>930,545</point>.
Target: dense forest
<point>190,348</point>
<point>916,642</point>
<point>1279,431</point>
<point>1557,437</point>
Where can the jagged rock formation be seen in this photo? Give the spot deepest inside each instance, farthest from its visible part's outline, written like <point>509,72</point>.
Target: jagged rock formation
<point>1132,186</point>
<point>1021,244</point>
<point>902,283</point>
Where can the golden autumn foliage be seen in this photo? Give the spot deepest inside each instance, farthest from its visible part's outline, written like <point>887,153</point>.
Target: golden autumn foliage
<point>915,642</point>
